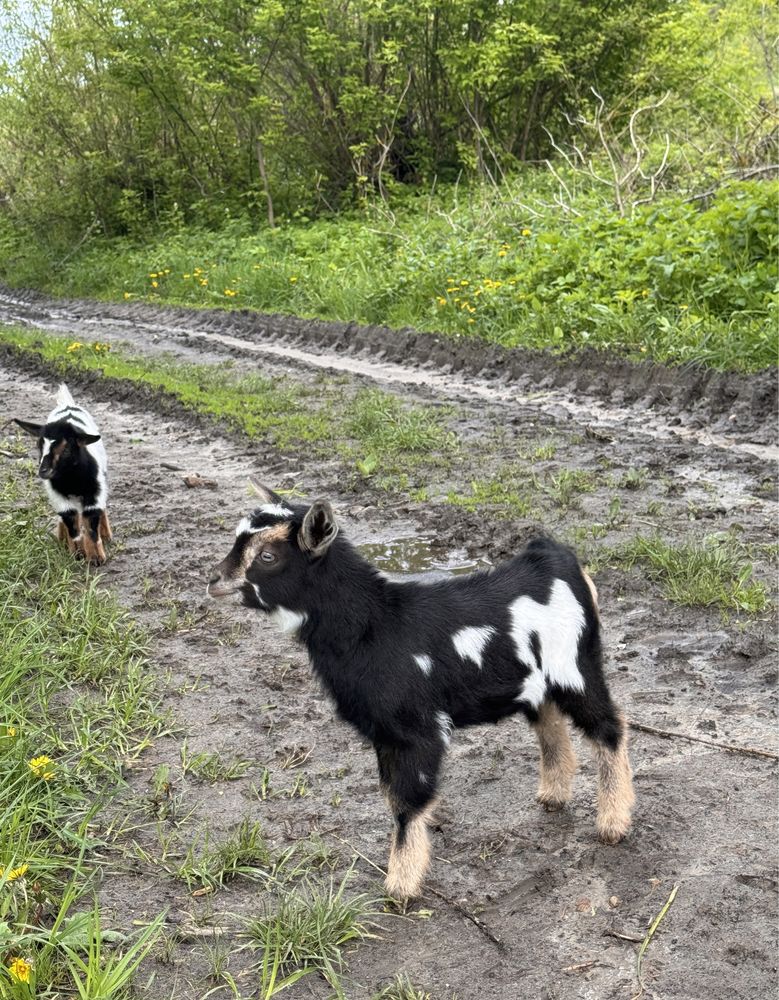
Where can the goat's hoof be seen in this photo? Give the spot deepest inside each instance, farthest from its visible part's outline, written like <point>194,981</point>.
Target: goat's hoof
<point>613,832</point>
<point>552,801</point>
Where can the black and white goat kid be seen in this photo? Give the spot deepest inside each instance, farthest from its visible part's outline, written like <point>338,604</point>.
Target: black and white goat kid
<point>74,470</point>
<point>408,662</point>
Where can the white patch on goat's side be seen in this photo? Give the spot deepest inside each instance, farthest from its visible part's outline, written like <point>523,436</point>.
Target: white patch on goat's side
<point>533,689</point>
<point>445,726</point>
<point>558,625</point>
<point>286,620</point>
<point>424,662</point>
<point>470,642</point>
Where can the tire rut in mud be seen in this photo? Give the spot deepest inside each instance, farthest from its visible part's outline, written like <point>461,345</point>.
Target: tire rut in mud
<point>729,403</point>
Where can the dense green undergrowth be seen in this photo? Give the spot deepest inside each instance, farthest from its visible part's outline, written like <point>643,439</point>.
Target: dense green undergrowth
<point>75,705</point>
<point>676,282</point>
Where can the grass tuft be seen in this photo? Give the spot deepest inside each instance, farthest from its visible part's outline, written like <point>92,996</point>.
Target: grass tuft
<point>711,572</point>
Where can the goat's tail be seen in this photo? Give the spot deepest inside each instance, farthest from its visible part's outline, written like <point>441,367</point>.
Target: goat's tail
<point>64,397</point>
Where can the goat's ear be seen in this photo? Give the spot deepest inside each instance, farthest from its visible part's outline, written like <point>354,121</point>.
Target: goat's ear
<point>319,528</point>
<point>87,438</point>
<point>263,492</point>
<point>30,427</point>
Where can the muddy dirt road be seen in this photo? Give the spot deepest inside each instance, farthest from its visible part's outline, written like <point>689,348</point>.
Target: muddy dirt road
<point>568,912</point>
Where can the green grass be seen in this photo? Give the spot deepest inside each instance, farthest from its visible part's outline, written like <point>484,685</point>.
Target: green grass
<point>306,931</point>
<point>713,572</point>
<point>76,702</point>
<point>372,431</point>
<point>680,281</point>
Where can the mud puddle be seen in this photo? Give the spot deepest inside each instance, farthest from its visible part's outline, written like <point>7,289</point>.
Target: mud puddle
<point>705,817</point>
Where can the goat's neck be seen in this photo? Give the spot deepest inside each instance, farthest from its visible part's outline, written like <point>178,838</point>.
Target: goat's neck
<point>352,596</point>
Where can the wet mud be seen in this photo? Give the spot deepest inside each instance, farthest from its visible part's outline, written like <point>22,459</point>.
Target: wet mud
<point>568,912</point>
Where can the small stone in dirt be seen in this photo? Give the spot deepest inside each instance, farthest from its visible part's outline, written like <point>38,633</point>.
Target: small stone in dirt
<point>198,481</point>
<point>614,902</point>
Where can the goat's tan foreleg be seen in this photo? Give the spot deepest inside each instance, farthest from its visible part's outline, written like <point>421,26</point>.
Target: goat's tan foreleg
<point>70,530</point>
<point>104,527</point>
<point>558,760</point>
<point>409,854</point>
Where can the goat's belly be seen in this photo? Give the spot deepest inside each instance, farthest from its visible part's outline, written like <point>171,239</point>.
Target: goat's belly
<point>485,710</point>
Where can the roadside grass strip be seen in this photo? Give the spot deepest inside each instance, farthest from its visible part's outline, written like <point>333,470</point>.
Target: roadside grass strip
<point>372,430</point>
<point>76,703</point>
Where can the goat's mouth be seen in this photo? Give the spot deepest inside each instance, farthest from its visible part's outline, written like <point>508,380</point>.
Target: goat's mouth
<point>223,588</point>
<point>45,473</point>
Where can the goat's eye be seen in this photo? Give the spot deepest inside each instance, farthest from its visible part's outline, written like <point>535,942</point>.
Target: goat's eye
<point>267,557</point>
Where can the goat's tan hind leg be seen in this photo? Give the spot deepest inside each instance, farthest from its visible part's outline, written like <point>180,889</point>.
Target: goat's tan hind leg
<point>558,760</point>
<point>615,790</point>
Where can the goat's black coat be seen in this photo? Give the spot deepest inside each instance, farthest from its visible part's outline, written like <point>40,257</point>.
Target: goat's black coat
<point>364,634</point>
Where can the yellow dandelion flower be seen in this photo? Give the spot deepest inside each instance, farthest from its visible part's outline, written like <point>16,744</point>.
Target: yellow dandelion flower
<point>293,279</point>
<point>527,232</point>
<point>502,253</point>
<point>204,282</point>
<point>153,275</point>
<point>20,970</point>
<point>10,732</point>
<point>197,271</point>
<point>154,284</point>
<point>450,290</point>
<point>464,282</point>
<point>186,275</point>
<point>75,346</point>
<point>42,767</point>
<point>128,295</point>
<point>644,293</point>
<point>13,873</point>
<point>471,320</point>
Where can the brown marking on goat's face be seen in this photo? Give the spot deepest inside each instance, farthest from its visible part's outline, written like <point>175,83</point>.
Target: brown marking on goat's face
<point>409,860</point>
<point>265,536</point>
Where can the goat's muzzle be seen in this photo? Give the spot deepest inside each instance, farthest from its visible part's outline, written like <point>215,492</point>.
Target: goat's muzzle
<point>221,586</point>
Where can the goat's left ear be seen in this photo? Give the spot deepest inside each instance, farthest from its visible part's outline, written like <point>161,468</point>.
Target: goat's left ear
<point>87,438</point>
<point>30,427</point>
<point>319,528</point>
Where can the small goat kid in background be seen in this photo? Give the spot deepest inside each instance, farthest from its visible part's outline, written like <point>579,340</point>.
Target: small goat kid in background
<point>74,470</point>
<point>408,662</point>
